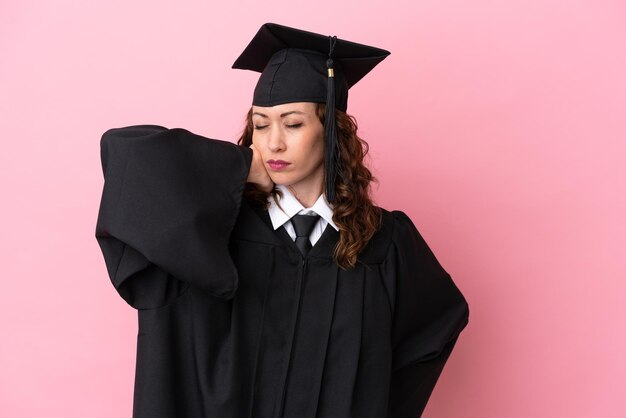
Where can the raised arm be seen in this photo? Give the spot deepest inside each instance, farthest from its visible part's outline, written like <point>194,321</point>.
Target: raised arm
<point>169,203</point>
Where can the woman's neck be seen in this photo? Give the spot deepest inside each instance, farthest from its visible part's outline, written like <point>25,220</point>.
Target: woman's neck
<point>307,198</point>
<point>309,189</point>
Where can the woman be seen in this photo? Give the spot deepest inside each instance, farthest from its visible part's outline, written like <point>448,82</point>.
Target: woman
<point>267,283</point>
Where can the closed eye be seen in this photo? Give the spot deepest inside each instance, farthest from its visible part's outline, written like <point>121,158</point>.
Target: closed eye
<point>294,126</point>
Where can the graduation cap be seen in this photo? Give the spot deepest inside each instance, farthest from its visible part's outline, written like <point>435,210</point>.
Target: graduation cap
<point>302,66</point>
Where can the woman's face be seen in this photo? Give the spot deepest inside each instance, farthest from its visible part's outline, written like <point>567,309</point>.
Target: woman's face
<point>291,133</point>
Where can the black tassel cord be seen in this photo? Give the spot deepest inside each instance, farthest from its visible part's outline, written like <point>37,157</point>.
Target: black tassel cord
<point>330,128</point>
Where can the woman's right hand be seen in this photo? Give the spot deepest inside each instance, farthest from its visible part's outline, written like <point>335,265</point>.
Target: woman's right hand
<point>258,174</point>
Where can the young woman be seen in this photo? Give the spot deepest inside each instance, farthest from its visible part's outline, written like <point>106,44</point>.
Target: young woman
<point>267,283</point>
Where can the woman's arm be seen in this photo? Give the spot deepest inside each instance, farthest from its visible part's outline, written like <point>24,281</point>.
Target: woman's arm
<point>169,203</point>
<point>429,313</point>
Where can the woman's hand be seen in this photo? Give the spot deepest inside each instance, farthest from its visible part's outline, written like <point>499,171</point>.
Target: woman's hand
<point>258,174</point>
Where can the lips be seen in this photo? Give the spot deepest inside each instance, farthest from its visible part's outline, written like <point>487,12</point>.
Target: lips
<point>277,164</point>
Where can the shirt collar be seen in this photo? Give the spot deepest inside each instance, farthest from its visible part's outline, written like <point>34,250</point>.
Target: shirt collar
<point>291,206</point>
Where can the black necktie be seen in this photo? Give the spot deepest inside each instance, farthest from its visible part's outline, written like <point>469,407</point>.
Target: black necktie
<point>303,224</point>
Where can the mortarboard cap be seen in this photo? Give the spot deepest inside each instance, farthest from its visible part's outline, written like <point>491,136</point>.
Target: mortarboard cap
<point>302,66</point>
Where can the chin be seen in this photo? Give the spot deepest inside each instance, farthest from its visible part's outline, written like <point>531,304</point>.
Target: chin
<point>283,180</point>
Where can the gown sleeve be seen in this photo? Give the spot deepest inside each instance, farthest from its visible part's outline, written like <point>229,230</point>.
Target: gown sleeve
<point>429,314</point>
<point>169,203</point>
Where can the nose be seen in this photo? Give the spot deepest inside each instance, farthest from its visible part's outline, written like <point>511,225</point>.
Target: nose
<point>276,140</point>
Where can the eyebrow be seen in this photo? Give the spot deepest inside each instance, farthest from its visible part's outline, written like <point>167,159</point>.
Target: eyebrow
<point>282,115</point>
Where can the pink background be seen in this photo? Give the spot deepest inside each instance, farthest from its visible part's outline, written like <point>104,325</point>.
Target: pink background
<point>499,127</point>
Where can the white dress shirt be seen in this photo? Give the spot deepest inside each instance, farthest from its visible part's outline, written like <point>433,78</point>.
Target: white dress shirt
<point>291,206</point>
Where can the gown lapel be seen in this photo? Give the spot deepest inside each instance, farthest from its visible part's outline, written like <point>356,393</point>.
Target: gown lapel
<point>255,224</point>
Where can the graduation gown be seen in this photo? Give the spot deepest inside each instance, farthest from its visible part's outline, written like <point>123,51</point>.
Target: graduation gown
<point>234,322</point>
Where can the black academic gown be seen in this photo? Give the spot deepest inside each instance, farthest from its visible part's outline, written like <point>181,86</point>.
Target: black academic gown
<point>233,322</point>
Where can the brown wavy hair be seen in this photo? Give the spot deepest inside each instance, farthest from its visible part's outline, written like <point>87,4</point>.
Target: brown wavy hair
<point>354,212</point>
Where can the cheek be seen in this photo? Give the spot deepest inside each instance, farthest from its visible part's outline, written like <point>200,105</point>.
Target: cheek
<point>317,147</point>
<point>311,152</point>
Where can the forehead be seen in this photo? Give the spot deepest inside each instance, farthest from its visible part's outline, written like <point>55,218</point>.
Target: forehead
<point>303,107</point>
